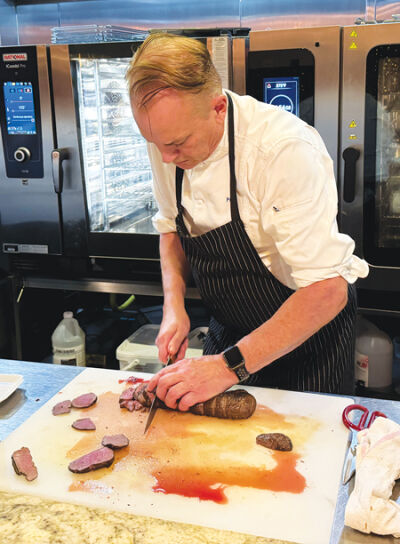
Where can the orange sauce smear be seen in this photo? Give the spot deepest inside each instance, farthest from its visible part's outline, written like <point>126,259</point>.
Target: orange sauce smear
<point>193,456</point>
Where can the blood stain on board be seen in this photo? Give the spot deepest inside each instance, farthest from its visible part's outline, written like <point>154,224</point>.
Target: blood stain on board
<point>194,456</point>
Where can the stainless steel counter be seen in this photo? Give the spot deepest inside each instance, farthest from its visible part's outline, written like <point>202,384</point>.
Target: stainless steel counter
<point>42,381</point>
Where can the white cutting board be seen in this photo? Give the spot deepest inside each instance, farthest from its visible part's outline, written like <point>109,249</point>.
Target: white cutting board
<point>184,442</point>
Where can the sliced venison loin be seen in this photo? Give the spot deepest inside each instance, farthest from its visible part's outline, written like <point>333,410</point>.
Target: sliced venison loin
<point>84,424</point>
<point>103,457</point>
<point>275,441</point>
<point>115,441</point>
<point>23,463</point>
<point>63,407</point>
<point>235,404</point>
<point>84,401</point>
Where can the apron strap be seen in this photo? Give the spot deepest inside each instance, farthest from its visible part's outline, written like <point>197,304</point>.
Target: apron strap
<point>231,133</point>
<point>178,188</point>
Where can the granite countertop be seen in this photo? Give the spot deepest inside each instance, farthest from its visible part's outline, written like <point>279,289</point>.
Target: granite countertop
<point>29,519</point>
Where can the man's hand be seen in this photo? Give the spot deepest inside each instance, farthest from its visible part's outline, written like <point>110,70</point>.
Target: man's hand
<point>190,381</point>
<point>173,336</point>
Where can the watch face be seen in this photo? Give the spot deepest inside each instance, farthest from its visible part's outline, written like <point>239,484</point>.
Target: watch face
<point>233,356</point>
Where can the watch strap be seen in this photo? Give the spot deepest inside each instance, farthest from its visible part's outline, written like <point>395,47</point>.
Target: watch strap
<point>235,361</point>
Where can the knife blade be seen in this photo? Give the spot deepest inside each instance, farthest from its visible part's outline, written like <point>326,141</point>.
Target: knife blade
<point>349,467</point>
<point>156,401</point>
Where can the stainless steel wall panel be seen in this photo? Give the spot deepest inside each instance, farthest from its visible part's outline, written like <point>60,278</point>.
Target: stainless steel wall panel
<point>384,9</point>
<point>152,13</point>
<point>35,20</point>
<point>276,14</point>
<point>8,24</point>
<point>239,59</point>
<point>35,23</point>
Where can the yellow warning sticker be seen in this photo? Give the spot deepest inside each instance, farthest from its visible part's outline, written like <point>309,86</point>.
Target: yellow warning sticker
<point>353,124</point>
<point>352,137</point>
<point>354,34</point>
<point>353,45</point>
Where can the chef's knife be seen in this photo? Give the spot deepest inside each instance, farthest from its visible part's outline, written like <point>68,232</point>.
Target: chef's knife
<point>349,466</point>
<point>156,401</point>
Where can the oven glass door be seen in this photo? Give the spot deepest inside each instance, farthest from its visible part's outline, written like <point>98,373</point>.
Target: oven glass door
<point>382,157</point>
<point>117,172</point>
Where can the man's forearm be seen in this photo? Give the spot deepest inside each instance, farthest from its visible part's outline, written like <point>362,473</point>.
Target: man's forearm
<point>302,315</point>
<point>174,268</point>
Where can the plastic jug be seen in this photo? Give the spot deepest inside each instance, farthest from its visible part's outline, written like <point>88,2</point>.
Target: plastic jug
<point>373,357</point>
<point>68,341</point>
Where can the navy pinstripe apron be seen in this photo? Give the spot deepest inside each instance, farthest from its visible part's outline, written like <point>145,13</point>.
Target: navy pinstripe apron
<point>241,294</point>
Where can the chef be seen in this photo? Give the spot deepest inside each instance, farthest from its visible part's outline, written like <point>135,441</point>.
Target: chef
<point>247,203</point>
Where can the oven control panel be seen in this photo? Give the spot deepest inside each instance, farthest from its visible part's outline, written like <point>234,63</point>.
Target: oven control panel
<point>20,113</point>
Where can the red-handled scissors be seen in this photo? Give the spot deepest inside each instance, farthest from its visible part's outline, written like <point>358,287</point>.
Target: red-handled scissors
<point>364,422</point>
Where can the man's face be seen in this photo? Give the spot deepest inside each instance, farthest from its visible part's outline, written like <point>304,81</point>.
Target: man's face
<point>186,128</point>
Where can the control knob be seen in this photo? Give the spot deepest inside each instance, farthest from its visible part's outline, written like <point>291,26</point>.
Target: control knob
<point>22,154</point>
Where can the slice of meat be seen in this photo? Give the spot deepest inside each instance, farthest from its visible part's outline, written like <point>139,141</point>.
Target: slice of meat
<point>103,457</point>
<point>84,401</point>
<point>142,395</point>
<point>115,441</point>
<point>23,463</point>
<point>136,397</point>
<point>275,441</point>
<point>84,424</point>
<point>127,394</point>
<point>63,407</point>
<point>132,405</point>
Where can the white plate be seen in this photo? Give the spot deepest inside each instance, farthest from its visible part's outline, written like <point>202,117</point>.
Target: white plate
<point>8,384</point>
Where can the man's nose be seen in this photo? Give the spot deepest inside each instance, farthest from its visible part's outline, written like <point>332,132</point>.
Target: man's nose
<point>169,155</point>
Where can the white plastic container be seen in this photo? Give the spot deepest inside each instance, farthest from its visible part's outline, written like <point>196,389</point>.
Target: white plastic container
<point>373,357</point>
<point>139,351</point>
<point>68,342</point>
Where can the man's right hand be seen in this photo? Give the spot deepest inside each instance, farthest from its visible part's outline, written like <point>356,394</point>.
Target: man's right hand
<point>173,336</point>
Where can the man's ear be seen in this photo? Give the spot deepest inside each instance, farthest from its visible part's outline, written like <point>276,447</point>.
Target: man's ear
<point>219,105</point>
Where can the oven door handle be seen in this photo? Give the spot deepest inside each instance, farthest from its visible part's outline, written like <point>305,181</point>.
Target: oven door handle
<point>57,158</point>
<point>350,156</point>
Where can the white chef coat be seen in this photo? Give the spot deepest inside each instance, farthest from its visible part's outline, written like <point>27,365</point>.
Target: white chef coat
<point>287,195</point>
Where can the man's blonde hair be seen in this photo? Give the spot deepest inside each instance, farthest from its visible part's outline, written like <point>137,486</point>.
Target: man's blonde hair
<point>168,61</point>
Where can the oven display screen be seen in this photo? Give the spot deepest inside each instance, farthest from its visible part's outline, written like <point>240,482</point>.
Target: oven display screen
<point>282,92</point>
<point>19,106</point>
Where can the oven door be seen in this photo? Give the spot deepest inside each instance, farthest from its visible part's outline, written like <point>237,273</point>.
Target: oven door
<point>106,157</point>
<point>370,173</point>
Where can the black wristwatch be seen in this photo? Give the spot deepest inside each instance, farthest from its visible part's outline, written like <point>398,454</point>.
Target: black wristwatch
<point>235,362</point>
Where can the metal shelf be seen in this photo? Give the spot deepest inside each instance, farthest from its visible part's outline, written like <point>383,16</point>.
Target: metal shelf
<point>379,311</point>
<point>102,286</point>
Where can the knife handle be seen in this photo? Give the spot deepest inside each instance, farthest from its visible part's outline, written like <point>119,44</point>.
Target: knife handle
<point>171,360</point>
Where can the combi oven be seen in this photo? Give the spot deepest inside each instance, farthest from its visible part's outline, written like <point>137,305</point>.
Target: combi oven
<point>345,81</point>
<point>75,178</point>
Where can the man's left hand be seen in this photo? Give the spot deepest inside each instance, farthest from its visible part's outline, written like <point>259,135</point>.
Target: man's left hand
<point>190,381</point>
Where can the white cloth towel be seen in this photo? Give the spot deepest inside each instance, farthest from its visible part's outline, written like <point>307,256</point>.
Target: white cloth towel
<point>369,508</point>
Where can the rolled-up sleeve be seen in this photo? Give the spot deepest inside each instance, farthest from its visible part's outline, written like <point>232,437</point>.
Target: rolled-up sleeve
<point>164,192</point>
<point>300,203</point>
